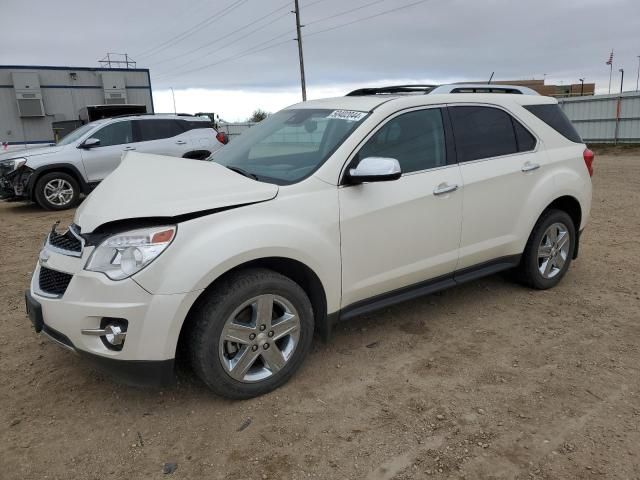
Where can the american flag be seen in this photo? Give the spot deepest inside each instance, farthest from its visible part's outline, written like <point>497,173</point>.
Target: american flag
<point>610,61</point>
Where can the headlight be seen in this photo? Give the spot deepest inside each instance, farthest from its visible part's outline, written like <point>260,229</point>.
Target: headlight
<point>13,164</point>
<point>125,254</point>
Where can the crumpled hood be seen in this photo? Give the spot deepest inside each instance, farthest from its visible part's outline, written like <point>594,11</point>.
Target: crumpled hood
<point>146,185</point>
<point>30,152</point>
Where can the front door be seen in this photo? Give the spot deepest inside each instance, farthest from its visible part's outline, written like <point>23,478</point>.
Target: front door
<point>400,233</point>
<point>115,139</point>
<point>162,136</point>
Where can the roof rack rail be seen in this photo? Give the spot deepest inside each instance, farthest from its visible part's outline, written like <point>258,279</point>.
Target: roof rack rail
<point>150,114</point>
<point>418,88</point>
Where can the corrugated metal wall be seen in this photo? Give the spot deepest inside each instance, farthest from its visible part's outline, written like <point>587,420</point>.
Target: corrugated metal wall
<point>234,129</point>
<point>597,120</point>
<point>65,90</point>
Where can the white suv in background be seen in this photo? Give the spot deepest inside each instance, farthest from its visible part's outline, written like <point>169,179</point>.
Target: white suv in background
<point>55,176</point>
<point>325,210</point>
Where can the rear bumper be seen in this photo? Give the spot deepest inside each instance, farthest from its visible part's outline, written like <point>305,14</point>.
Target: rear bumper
<point>148,373</point>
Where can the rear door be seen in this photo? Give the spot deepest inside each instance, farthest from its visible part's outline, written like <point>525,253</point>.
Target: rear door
<point>161,136</point>
<point>115,139</point>
<point>500,164</point>
<point>400,233</point>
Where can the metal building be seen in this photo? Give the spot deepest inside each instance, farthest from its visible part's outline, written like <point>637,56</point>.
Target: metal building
<point>38,102</point>
<point>605,118</point>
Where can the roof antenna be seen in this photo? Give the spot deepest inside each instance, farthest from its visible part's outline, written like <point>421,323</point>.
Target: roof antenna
<point>490,78</point>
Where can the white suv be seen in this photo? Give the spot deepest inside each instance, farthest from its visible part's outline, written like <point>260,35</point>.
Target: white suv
<point>55,176</point>
<point>324,211</point>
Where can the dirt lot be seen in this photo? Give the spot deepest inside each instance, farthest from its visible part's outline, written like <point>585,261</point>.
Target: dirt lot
<point>488,380</point>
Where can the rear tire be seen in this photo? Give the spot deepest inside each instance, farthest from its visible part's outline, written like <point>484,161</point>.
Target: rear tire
<point>234,346</point>
<point>549,250</point>
<point>57,191</point>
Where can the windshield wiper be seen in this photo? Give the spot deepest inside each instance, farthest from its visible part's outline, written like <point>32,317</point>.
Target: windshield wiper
<point>243,172</point>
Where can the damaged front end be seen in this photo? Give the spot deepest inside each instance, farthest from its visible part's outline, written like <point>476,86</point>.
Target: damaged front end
<point>14,179</point>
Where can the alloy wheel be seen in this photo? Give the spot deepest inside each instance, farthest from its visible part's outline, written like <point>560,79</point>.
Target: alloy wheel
<point>553,250</point>
<point>58,192</point>
<point>259,338</point>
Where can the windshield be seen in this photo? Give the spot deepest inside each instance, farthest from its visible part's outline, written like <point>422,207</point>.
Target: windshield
<point>289,145</point>
<point>76,134</point>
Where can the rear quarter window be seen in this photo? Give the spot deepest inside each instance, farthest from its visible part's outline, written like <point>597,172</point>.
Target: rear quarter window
<point>552,115</point>
<point>195,124</point>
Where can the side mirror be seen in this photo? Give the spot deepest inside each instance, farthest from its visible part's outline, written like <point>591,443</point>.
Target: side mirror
<point>90,143</point>
<point>375,169</point>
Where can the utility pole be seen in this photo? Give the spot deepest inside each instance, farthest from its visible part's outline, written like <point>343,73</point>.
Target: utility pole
<point>300,56</point>
<point>621,79</point>
<point>581,86</point>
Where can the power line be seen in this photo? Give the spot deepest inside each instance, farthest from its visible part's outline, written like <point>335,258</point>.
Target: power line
<point>252,50</point>
<point>313,3</point>
<point>344,13</point>
<point>226,36</point>
<point>366,18</point>
<point>241,54</point>
<point>190,31</point>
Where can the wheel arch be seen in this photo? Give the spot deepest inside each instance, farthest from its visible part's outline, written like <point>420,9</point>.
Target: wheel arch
<point>571,205</point>
<point>297,271</point>
<point>197,154</point>
<point>67,168</point>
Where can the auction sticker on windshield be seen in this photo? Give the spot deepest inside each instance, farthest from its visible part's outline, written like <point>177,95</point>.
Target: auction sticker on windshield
<point>348,115</point>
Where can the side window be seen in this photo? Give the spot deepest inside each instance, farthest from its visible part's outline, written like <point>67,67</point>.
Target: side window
<point>117,133</point>
<point>195,124</point>
<point>482,132</point>
<point>552,115</point>
<point>526,141</point>
<point>157,129</point>
<point>415,139</point>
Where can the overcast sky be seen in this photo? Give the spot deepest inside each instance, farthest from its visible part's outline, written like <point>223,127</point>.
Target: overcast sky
<point>232,56</point>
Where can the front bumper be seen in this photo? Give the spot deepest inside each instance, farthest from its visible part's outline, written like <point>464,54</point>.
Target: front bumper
<point>15,184</point>
<point>149,373</point>
<point>154,321</point>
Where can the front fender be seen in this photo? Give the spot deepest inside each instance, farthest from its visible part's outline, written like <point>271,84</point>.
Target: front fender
<point>207,247</point>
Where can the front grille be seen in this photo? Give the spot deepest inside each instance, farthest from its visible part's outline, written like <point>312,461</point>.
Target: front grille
<point>65,241</point>
<point>53,282</point>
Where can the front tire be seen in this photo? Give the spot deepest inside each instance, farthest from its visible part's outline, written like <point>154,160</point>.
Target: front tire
<point>549,250</point>
<point>251,333</point>
<point>57,191</point>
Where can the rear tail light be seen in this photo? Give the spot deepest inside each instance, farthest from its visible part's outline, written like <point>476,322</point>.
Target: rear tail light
<point>222,138</point>
<point>588,156</point>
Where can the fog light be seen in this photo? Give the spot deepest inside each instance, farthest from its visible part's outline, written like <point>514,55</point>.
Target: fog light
<point>114,335</point>
<point>113,332</point>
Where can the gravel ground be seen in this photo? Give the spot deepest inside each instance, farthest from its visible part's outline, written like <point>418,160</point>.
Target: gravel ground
<point>487,380</point>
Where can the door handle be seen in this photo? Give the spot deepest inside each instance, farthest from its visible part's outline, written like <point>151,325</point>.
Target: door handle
<point>530,167</point>
<point>127,149</point>
<point>444,188</point>
<point>181,142</point>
